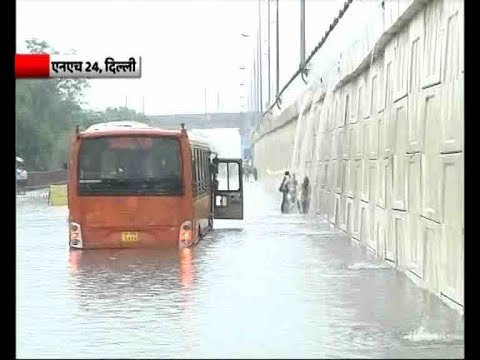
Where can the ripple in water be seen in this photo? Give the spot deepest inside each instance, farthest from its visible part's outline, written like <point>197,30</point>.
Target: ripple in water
<point>423,335</point>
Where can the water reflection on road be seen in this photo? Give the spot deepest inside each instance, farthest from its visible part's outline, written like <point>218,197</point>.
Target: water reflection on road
<point>267,286</point>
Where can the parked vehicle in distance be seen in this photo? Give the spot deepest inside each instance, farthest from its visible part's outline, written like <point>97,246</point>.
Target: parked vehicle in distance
<point>21,176</point>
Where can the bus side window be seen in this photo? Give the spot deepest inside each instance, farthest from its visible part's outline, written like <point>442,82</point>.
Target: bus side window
<point>195,160</point>
<point>205,176</point>
<point>233,183</point>
<point>205,168</point>
<point>200,177</point>
<point>193,174</point>
<point>197,172</point>
<point>194,184</point>
<point>200,170</point>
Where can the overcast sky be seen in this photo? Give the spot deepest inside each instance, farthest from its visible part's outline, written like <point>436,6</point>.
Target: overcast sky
<point>185,45</point>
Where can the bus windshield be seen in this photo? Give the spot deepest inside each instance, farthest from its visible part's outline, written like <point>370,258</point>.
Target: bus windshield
<point>130,166</point>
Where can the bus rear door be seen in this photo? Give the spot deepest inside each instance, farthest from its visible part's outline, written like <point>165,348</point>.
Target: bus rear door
<point>228,195</point>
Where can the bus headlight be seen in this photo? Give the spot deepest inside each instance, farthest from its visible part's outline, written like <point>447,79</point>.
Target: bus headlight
<point>75,235</point>
<point>185,236</point>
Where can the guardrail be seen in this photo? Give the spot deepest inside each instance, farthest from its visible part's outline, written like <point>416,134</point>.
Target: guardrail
<point>43,179</point>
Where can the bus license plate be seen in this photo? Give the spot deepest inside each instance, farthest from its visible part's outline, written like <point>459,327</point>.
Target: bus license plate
<point>129,237</point>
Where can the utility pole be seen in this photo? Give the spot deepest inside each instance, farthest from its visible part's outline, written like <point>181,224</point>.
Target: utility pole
<point>269,85</point>
<point>253,99</point>
<point>254,86</point>
<point>278,55</point>
<point>143,105</point>
<point>302,33</point>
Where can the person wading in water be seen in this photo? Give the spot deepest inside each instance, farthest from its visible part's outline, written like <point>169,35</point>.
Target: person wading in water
<point>293,192</point>
<point>284,190</point>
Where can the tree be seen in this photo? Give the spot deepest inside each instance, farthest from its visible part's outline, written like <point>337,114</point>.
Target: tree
<point>70,89</point>
<point>47,112</point>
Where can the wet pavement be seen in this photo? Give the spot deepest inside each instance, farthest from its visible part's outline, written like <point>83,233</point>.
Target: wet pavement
<point>281,286</point>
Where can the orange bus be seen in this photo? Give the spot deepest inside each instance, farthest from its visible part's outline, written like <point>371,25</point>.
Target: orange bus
<point>133,185</point>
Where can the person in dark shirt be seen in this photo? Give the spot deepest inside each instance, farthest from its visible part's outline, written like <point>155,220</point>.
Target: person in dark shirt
<point>246,172</point>
<point>284,190</point>
<point>22,177</point>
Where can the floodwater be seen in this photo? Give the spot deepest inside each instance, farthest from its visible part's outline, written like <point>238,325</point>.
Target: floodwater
<point>276,286</point>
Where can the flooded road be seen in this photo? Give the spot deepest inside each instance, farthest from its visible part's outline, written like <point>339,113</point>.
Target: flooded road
<point>268,286</point>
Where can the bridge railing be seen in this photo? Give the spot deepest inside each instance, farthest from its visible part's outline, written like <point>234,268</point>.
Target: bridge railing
<point>43,179</point>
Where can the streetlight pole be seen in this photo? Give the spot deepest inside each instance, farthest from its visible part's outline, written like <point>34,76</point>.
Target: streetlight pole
<point>278,55</point>
<point>253,98</point>
<point>242,67</point>
<point>255,85</point>
<point>302,33</point>
<point>269,86</point>
<point>205,102</point>
<point>260,53</point>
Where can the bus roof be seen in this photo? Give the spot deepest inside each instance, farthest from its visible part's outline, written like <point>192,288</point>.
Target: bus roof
<point>125,128</point>
<point>136,128</point>
<point>118,125</point>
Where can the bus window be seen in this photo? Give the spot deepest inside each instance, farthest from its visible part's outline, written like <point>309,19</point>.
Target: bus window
<point>108,165</point>
<point>200,171</point>
<point>233,178</point>
<point>222,177</point>
<point>130,166</point>
<point>228,197</point>
<point>200,158</point>
<point>205,169</point>
<point>228,177</point>
<point>193,172</point>
<point>197,171</point>
<point>201,164</point>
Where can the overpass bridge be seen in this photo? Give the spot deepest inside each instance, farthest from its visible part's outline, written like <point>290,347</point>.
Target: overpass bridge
<point>241,121</point>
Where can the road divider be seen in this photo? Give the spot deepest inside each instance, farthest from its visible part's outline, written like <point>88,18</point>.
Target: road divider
<point>57,195</point>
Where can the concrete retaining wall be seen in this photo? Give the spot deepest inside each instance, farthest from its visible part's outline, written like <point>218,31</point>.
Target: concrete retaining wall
<point>383,144</point>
